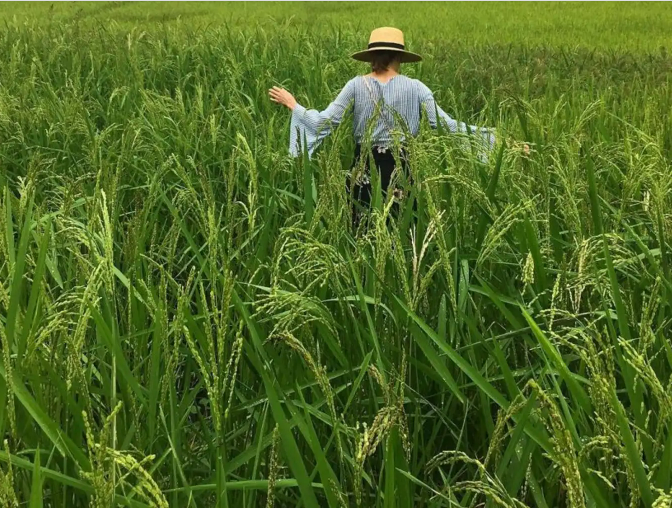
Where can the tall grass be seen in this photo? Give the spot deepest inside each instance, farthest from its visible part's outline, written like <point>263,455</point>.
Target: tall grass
<point>187,317</point>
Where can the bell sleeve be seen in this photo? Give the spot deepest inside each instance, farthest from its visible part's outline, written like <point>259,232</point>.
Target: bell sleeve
<point>313,126</point>
<point>485,135</point>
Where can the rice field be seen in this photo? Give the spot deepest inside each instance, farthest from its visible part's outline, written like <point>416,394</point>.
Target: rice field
<point>189,319</point>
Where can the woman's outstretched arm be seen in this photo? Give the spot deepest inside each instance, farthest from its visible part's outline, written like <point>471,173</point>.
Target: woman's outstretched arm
<point>435,115</point>
<point>311,124</point>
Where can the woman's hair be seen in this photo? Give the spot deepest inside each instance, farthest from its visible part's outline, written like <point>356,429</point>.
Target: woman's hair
<point>381,60</point>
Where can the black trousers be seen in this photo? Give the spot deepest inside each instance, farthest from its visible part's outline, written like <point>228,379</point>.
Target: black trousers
<point>385,162</point>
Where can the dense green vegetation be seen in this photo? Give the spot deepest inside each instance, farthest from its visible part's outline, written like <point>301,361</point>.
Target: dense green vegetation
<point>188,319</point>
<point>608,25</point>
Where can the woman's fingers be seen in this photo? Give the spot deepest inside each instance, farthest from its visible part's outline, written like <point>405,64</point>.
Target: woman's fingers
<point>275,96</point>
<point>282,96</point>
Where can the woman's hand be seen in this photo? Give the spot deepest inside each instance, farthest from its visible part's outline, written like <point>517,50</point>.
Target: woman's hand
<point>282,96</point>
<point>523,147</point>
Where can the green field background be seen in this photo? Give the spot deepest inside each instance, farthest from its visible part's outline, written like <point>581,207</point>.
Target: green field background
<point>636,26</point>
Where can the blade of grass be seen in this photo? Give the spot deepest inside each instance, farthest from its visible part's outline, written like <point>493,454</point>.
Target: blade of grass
<point>59,438</point>
<point>17,279</point>
<point>9,227</point>
<point>36,499</point>
<point>632,452</point>
<point>580,396</point>
<point>490,194</point>
<point>437,363</point>
<point>29,321</point>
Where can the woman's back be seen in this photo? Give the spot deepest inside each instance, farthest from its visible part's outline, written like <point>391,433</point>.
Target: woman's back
<point>399,95</point>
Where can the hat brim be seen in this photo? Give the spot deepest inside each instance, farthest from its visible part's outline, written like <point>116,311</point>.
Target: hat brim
<point>405,56</point>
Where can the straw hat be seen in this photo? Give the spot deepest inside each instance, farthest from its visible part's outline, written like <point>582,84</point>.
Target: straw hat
<point>386,39</point>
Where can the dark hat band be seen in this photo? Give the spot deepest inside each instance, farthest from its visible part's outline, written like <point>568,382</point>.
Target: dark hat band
<point>373,45</point>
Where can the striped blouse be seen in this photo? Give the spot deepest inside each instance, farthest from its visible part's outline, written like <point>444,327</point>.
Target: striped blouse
<point>404,98</point>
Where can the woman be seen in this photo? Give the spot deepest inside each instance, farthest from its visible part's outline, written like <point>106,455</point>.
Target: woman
<point>383,95</point>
